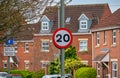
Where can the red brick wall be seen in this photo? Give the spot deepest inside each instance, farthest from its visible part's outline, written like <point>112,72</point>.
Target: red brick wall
<point>47,55</point>
<point>114,50</point>
<point>41,55</point>
<point>35,55</point>
<point>22,56</point>
<point>83,55</point>
<point>1,54</point>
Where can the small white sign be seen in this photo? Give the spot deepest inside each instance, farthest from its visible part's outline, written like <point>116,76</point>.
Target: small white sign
<point>9,51</point>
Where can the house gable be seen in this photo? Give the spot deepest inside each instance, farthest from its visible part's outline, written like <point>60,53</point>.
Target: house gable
<point>46,24</point>
<point>45,18</point>
<point>83,17</point>
<point>84,24</point>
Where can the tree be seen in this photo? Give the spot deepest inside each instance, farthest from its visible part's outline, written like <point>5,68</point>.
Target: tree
<point>72,62</point>
<point>15,14</point>
<point>70,53</point>
<point>54,67</point>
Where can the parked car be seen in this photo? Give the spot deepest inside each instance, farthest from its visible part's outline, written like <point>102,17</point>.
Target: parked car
<point>51,76</point>
<point>3,74</point>
<point>57,76</point>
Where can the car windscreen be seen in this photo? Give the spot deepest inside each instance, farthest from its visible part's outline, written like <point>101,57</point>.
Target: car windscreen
<point>3,75</point>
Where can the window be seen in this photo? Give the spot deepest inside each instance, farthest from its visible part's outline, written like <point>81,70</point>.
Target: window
<point>26,47</point>
<point>45,45</point>
<point>26,64</point>
<point>98,38</point>
<point>83,45</point>
<point>84,62</point>
<point>114,37</point>
<point>16,48</point>
<point>4,63</point>
<point>45,26</point>
<point>68,20</point>
<point>105,37</point>
<point>98,69</point>
<point>114,70</point>
<point>44,64</point>
<point>83,24</point>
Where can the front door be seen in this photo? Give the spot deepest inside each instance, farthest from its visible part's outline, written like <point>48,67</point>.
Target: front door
<point>104,70</point>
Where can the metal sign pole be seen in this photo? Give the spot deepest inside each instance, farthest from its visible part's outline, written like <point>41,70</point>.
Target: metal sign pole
<point>8,64</point>
<point>9,51</point>
<point>62,25</point>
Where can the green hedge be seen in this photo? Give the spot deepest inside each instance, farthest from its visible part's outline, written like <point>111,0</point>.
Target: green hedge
<point>86,72</point>
<point>23,73</point>
<point>38,74</point>
<point>27,74</point>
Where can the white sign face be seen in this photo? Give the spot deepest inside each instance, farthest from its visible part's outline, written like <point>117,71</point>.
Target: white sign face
<point>62,38</point>
<point>9,51</point>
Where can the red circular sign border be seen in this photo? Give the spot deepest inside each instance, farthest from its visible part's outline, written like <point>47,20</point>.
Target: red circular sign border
<point>71,38</point>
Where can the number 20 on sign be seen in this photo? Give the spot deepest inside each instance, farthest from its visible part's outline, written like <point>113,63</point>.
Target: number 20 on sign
<point>62,38</point>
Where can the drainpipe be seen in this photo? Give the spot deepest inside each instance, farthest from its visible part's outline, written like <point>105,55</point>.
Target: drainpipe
<point>119,51</point>
<point>92,50</point>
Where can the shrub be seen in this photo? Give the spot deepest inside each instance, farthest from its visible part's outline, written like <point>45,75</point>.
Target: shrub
<point>23,73</point>
<point>86,72</point>
<point>38,74</point>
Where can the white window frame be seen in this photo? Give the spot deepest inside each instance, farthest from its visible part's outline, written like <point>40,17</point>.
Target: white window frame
<point>45,26</point>
<point>114,69</point>
<point>82,23</point>
<point>26,47</point>
<point>84,62</point>
<point>44,64</point>
<point>114,36</point>
<point>105,37</point>
<point>98,70</point>
<point>44,46</point>
<point>68,19</point>
<point>4,63</point>
<point>16,47</point>
<point>83,47</point>
<point>27,64</point>
<point>98,38</point>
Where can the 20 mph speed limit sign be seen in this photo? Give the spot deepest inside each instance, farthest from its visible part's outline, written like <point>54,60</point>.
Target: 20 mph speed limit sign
<point>62,38</point>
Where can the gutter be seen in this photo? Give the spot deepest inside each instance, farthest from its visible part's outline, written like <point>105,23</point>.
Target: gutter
<point>104,28</point>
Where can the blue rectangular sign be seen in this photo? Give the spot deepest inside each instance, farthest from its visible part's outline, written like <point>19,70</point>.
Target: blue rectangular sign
<point>10,41</point>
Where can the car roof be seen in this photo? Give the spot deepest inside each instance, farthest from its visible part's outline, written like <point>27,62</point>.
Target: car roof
<point>53,75</point>
<point>3,73</point>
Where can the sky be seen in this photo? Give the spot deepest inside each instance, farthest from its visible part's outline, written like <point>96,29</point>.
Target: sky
<point>113,4</point>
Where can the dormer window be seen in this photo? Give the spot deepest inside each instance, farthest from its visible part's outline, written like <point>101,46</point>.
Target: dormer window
<point>68,20</point>
<point>83,24</point>
<point>45,26</point>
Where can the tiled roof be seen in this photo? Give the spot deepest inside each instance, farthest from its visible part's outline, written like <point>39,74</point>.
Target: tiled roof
<point>26,32</point>
<point>111,21</point>
<point>92,11</point>
<point>100,57</point>
<point>23,34</point>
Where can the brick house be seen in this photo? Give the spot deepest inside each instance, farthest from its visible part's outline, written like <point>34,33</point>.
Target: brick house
<point>106,47</point>
<point>34,47</point>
